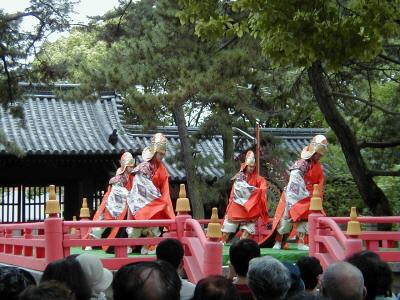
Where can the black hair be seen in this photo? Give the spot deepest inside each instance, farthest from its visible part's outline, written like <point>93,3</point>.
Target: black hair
<point>310,268</point>
<point>69,272</point>
<point>156,280</point>
<point>241,252</point>
<point>215,288</point>
<point>297,284</point>
<point>170,250</point>
<point>13,281</point>
<point>47,290</point>
<point>377,274</point>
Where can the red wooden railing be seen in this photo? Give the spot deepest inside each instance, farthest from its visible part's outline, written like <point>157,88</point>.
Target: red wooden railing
<point>34,245</point>
<point>329,242</point>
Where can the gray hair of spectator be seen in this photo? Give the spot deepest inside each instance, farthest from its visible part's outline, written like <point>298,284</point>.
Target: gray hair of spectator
<point>342,281</point>
<point>268,278</point>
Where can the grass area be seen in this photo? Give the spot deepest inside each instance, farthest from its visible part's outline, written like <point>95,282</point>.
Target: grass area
<point>100,253</point>
<point>290,255</point>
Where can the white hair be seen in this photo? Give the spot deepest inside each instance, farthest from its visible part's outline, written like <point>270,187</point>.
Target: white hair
<point>343,281</point>
<point>268,278</point>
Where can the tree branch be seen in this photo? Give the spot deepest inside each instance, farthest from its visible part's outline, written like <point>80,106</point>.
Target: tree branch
<point>374,173</point>
<point>225,45</point>
<point>123,14</point>
<point>388,58</point>
<point>342,95</point>
<point>9,81</point>
<point>13,17</point>
<point>365,144</point>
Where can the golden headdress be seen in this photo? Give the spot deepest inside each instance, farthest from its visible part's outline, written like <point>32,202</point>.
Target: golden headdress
<point>158,144</point>
<point>126,160</point>
<point>319,144</point>
<point>250,160</point>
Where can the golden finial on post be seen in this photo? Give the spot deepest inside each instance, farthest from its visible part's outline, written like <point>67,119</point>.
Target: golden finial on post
<point>84,213</point>
<point>316,201</point>
<point>52,205</point>
<point>214,227</point>
<point>182,203</point>
<point>73,229</point>
<point>353,226</point>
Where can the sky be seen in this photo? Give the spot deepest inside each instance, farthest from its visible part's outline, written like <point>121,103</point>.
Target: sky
<point>83,9</point>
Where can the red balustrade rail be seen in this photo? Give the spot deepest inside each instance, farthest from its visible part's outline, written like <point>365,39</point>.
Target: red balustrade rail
<point>329,242</point>
<point>202,256</point>
<point>23,245</point>
<point>34,245</point>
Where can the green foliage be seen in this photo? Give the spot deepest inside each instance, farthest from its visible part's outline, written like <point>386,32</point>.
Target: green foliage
<point>18,46</point>
<point>300,32</point>
<point>86,55</point>
<point>340,190</point>
<point>390,186</point>
<point>340,194</point>
<point>8,146</point>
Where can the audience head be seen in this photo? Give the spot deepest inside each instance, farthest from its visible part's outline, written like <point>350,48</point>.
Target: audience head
<point>215,288</point>
<point>48,290</point>
<point>147,280</point>
<point>268,278</point>
<point>377,273</point>
<point>69,272</point>
<point>13,281</point>
<point>304,295</point>
<point>310,269</point>
<point>297,284</point>
<point>240,253</point>
<point>343,281</point>
<point>98,278</point>
<point>170,250</point>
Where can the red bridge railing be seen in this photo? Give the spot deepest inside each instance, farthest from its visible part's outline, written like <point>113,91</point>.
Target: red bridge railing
<point>34,245</point>
<point>329,241</point>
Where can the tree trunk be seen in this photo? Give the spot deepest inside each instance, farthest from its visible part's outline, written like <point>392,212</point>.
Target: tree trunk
<point>371,194</point>
<point>227,146</point>
<point>195,200</point>
<point>227,140</point>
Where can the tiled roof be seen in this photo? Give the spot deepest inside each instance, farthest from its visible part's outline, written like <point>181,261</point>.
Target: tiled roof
<point>58,127</point>
<point>54,126</point>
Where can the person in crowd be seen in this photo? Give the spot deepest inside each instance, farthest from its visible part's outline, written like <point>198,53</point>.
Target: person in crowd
<point>377,274</point>
<point>297,284</point>
<point>97,277</point>
<point>304,295</point>
<point>69,272</point>
<point>150,198</point>
<point>171,250</point>
<point>215,288</point>
<point>311,271</point>
<point>293,207</point>
<point>268,278</point>
<point>49,290</point>
<point>343,281</point>
<point>156,280</point>
<point>240,253</point>
<point>247,201</point>
<point>114,203</point>
<point>13,281</point>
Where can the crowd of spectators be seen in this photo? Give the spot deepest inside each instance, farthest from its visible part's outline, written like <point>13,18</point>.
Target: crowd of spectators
<point>363,276</point>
